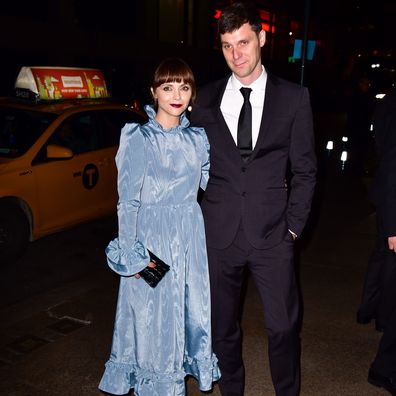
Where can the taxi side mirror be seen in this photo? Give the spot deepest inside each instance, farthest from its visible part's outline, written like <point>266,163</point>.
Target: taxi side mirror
<point>55,151</point>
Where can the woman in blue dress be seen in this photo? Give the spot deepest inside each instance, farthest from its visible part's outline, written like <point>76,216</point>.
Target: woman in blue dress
<point>162,334</point>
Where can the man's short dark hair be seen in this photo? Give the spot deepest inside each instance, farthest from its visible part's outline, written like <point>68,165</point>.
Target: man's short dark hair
<point>236,15</point>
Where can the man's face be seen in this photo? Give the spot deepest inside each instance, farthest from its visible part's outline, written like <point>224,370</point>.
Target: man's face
<point>242,52</point>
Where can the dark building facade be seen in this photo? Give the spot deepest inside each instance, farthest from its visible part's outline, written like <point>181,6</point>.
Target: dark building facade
<point>126,38</point>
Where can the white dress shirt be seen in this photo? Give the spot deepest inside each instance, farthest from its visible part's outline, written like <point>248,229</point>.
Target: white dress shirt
<point>232,101</point>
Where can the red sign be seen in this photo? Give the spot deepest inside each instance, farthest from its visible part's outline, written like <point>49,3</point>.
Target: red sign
<point>69,83</point>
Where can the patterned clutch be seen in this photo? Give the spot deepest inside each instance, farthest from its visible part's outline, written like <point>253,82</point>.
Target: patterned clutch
<point>152,275</point>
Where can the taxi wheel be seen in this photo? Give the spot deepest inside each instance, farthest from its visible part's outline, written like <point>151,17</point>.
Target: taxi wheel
<point>14,233</point>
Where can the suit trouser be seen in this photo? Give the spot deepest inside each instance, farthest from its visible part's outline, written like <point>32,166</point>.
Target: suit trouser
<point>274,275</point>
<point>385,360</point>
<point>379,285</point>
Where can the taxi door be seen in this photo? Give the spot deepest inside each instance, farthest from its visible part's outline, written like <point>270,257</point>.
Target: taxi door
<point>76,189</point>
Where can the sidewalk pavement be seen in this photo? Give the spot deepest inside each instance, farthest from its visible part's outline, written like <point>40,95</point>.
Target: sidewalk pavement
<point>57,343</point>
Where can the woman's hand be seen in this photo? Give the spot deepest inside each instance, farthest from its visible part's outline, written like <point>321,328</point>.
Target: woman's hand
<point>150,264</point>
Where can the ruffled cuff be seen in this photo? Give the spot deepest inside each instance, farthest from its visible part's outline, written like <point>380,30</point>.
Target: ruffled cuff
<point>206,371</point>
<point>117,379</point>
<point>127,263</point>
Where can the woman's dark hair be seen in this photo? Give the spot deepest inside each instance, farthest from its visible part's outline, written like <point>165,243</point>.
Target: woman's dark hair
<point>236,15</point>
<point>174,70</point>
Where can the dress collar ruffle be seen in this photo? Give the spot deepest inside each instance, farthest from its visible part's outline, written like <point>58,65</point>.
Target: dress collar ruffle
<point>184,122</point>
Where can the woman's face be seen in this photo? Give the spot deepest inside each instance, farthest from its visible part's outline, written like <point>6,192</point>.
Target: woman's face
<point>172,99</point>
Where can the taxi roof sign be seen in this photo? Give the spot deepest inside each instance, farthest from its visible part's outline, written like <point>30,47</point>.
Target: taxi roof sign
<point>55,83</point>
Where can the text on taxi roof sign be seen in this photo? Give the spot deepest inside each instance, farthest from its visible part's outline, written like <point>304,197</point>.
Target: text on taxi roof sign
<point>54,83</point>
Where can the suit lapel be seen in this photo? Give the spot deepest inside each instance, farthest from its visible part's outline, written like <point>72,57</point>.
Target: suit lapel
<point>268,111</point>
<point>229,143</point>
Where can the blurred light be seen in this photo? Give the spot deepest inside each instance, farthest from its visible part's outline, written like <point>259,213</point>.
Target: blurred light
<point>344,139</point>
<point>266,27</point>
<point>371,127</point>
<point>294,26</point>
<point>330,145</point>
<point>344,156</point>
<point>290,33</point>
<point>380,96</point>
<point>265,15</point>
<point>375,65</point>
<point>217,14</point>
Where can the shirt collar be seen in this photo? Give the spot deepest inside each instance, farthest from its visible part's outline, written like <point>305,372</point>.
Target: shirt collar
<point>258,84</point>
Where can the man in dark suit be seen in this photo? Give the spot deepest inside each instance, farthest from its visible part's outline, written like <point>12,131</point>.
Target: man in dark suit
<point>252,215</point>
<point>379,293</point>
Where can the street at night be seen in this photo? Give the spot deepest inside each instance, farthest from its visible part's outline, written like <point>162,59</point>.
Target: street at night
<point>58,302</point>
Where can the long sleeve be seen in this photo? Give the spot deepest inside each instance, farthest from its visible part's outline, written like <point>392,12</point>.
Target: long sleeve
<point>205,162</point>
<point>389,196</point>
<point>303,166</point>
<point>126,255</point>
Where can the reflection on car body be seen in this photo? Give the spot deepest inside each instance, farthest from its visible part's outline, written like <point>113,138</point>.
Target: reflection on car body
<point>56,166</point>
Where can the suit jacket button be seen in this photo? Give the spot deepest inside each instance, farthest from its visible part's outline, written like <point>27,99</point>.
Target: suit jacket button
<point>243,169</point>
<point>244,194</point>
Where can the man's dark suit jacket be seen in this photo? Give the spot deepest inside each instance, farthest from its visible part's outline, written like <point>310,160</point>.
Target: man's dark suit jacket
<point>383,190</point>
<point>379,292</point>
<point>255,192</point>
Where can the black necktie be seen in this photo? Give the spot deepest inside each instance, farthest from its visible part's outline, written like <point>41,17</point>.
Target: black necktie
<point>244,137</point>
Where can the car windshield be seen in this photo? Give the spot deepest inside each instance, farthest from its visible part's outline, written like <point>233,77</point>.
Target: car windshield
<point>19,129</point>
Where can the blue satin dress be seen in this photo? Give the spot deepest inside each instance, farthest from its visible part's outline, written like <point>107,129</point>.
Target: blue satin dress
<point>161,334</point>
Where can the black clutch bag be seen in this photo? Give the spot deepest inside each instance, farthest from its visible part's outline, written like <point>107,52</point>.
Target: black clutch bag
<point>152,275</point>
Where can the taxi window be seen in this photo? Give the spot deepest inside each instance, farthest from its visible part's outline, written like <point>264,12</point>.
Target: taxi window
<point>19,130</point>
<point>79,132</point>
<point>89,131</point>
<point>93,130</point>
<point>112,121</point>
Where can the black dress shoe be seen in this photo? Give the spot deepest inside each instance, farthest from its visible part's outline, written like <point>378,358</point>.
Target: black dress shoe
<point>388,383</point>
<point>365,316</point>
<point>363,319</point>
<point>379,326</point>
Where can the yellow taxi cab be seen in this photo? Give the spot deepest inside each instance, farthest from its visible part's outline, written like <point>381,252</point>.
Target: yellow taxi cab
<point>58,140</point>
